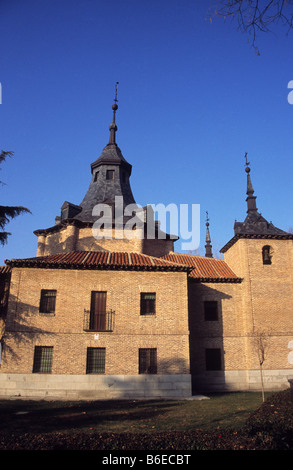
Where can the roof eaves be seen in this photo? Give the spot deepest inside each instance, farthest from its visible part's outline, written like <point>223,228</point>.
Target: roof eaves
<point>107,261</point>
<point>238,236</point>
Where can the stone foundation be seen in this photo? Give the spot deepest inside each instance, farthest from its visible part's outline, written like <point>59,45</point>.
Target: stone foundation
<point>242,380</point>
<point>94,387</point>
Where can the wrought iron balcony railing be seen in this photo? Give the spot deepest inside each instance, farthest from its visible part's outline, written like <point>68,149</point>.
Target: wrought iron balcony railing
<point>98,321</point>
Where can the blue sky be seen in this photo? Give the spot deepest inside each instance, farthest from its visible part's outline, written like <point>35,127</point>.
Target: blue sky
<point>193,98</point>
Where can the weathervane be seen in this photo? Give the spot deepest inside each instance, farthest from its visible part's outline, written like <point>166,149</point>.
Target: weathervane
<point>116,88</point>
<point>247,163</point>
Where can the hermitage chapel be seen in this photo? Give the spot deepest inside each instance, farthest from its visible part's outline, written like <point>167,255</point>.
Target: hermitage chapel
<point>127,317</point>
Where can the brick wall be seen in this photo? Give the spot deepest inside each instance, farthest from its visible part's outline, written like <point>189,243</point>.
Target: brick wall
<point>225,333</point>
<point>26,327</point>
<point>71,238</point>
<point>266,301</point>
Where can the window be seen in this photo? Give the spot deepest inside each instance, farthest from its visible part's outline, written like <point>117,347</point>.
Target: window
<point>43,359</point>
<point>47,301</point>
<point>267,255</point>
<point>96,176</point>
<point>147,303</point>
<point>98,311</point>
<point>110,174</point>
<point>148,361</point>
<point>211,310</point>
<point>213,359</point>
<point>95,362</point>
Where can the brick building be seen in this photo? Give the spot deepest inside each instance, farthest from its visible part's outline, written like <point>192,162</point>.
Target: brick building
<point>122,315</point>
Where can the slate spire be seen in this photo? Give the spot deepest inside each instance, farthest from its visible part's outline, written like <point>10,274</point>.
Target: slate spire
<point>251,199</point>
<point>254,223</point>
<point>110,176</point>
<point>113,127</point>
<point>208,245</point>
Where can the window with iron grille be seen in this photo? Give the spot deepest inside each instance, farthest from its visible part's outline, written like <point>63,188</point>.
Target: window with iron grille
<point>96,358</point>
<point>213,359</point>
<point>211,310</point>
<point>47,301</point>
<point>147,303</point>
<point>43,358</point>
<point>148,361</point>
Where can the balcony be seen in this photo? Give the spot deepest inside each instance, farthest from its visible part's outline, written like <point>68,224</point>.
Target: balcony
<point>98,321</point>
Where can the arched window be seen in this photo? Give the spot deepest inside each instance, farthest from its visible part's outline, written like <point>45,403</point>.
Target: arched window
<point>267,255</point>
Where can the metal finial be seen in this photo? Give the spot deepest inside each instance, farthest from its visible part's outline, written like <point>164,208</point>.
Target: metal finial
<point>208,245</point>
<point>246,162</point>
<point>116,89</point>
<point>113,128</point>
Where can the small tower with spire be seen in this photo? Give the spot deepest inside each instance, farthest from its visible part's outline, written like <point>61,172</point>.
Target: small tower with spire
<point>208,245</point>
<point>254,223</point>
<point>110,175</point>
<point>255,226</point>
<point>109,188</point>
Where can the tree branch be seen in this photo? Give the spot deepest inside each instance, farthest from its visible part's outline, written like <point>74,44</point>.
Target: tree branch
<point>256,15</point>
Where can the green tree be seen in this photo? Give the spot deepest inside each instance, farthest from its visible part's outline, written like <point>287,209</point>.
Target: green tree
<point>8,212</point>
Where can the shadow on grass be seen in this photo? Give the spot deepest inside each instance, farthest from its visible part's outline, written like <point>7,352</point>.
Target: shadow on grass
<point>121,416</point>
<point>36,417</point>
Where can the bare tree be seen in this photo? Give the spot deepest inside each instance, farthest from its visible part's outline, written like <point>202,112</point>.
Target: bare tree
<point>260,342</point>
<point>255,16</point>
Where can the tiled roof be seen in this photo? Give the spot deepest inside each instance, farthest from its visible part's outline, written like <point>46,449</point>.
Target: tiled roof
<point>265,236</point>
<point>204,269</point>
<point>5,269</point>
<point>99,260</point>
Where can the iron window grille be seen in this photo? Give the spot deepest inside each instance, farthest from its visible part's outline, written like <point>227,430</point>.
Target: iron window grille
<point>148,361</point>
<point>147,303</point>
<point>99,321</point>
<point>96,359</point>
<point>47,301</point>
<point>43,359</point>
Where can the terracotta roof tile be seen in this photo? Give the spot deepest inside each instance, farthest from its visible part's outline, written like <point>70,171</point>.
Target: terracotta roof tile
<point>204,269</point>
<point>5,269</point>
<point>98,260</point>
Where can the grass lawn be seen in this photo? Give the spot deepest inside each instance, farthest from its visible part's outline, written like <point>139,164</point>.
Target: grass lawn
<point>219,411</point>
